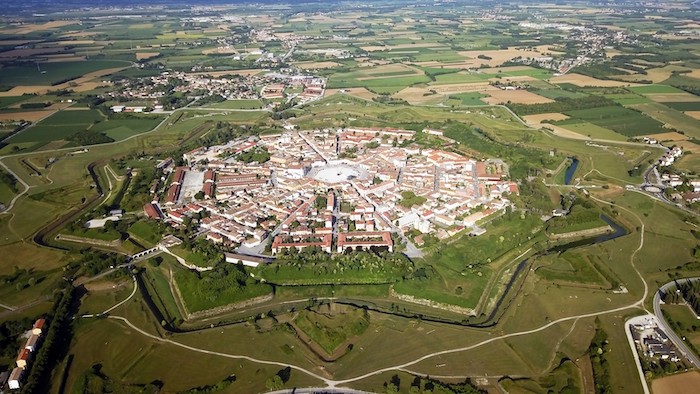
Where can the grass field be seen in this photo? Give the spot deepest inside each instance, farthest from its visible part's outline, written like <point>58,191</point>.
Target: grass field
<point>674,119</point>
<point>625,121</point>
<point>119,129</point>
<point>590,130</point>
<point>330,330</point>
<point>558,93</point>
<point>239,104</point>
<point>684,106</point>
<point>146,231</point>
<point>459,272</point>
<point>572,268</point>
<point>52,73</point>
<point>8,101</point>
<point>473,98</point>
<point>654,89</point>
<point>59,126</point>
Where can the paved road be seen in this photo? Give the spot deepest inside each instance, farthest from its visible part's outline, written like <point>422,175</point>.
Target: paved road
<point>680,344</point>
<point>319,390</point>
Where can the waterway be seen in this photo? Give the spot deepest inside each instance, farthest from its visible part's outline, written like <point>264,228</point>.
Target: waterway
<point>618,231</point>
<point>570,170</point>
<point>489,320</point>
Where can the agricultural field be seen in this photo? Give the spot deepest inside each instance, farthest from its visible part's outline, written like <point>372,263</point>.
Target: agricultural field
<point>524,306</point>
<point>627,122</point>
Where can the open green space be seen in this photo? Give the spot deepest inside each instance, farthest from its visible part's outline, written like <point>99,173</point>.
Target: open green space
<point>146,230</point>
<point>331,328</point>
<point>225,284</point>
<point>457,273</point>
<point>573,267</point>
<point>683,321</point>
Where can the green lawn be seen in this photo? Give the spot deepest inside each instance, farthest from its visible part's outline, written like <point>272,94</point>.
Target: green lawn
<point>331,330</point>
<point>570,267</point>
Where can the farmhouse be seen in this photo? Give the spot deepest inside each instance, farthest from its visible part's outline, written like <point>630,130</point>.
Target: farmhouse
<point>15,378</point>
<point>249,261</point>
<point>23,358</point>
<point>32,343</point>
<point>38,327</point>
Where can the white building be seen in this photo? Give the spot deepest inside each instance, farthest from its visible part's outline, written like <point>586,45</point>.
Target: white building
<point>15,378</point>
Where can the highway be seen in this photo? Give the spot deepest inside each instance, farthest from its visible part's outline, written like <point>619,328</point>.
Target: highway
<point>680,344</point>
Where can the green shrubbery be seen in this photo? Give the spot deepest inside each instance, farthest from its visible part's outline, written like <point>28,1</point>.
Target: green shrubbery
<point>225,284</point>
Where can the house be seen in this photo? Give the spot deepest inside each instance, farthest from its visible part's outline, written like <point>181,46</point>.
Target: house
<point>23,358</point>
<point>248,261</point>
<point>152,211</point>
<point>38,327</point>
<point>15,378</point>
<point>32,343</point>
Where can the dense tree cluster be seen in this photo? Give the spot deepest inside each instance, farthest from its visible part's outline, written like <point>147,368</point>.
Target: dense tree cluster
<point>89,137</point>
<point>597,352</point>
<point>10,331</point>
<point>255,155</point>
<point>94,261</point>
<point>689,291</point>
<point>9,180</point>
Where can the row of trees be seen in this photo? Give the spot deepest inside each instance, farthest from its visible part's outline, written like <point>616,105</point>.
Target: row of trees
<point>9,180</point>
<point>597,352</point>
<point>690,291</point>
<point>55,345</point>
